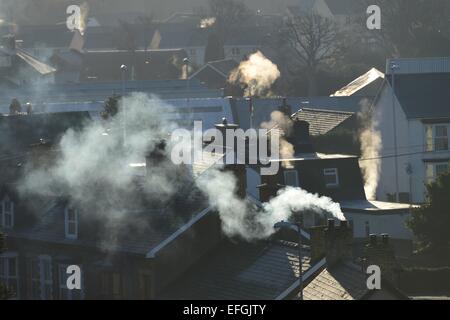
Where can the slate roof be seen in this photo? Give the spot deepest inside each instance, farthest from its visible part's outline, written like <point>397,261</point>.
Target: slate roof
<point>224,66</point>
<point>104,65</point>
<point>18,132</point>
<point>240,271</point>
<point>423,96</point>
<point>370,77</point>
<point>345,281</point>
<point>264,107</point>
<point>321,121</point>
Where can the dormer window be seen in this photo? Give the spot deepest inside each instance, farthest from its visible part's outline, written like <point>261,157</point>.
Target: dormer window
<point>7,213</point>
<point>71,223</point>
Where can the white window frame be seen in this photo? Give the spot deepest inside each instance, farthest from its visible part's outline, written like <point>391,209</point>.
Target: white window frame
<point>432,168</point>
<point>41,281</point>
<point>6,278</point>
<point>67,222</point>
<point>431,136</point>
<point>295,172</point>
<point>331,172</point>
<point>4,213</point>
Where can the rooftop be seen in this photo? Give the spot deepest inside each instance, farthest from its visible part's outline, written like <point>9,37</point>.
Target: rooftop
<point>241,271</point>
<point>374,207</point>
<point>321,121</point>
<point>423,95</point>
<point>360,83</point>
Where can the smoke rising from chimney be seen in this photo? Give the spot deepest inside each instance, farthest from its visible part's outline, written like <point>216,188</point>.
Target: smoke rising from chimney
<point>256,75</point>
<point>371,144</point>
<point>245,220</point>
<point>283,124</point>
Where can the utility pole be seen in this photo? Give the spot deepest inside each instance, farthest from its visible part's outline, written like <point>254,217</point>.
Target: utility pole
<point>124,69</point>
<point>394,67</point>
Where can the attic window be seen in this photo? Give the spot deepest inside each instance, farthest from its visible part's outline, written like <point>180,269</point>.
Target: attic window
<point>331,177</point>
<point>7,213</point>
<point>71,223</point>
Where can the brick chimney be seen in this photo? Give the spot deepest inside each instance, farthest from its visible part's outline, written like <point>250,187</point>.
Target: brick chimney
<point>331,241</point>
<point>285,108</point>
<point>239,170</point>
<point>379,251</point>
<point>300,137</point>
<point>269,188</point>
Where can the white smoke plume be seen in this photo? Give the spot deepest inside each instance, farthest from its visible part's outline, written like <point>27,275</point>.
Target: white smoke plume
<point>92,166</point>
<point>281,125</point>
<point>371,144</point>
<point>207,22</point>
<point>243,219</point>
<point>256,75</point>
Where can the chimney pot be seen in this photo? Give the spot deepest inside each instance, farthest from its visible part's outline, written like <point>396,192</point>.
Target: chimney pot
<point>331,224</point>
<point>373,239</point>
<point>385,239</point>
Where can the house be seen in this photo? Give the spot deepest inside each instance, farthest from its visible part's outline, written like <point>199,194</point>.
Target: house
<point>215,74</point>
<point>337,176</point>
<point>343,279</point>
<point>238,44</point>
<point>341,11</point>
<point>413,115</point>
<point>122,260</point>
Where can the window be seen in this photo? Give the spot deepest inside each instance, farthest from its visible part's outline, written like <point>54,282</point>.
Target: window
<point>291,178</point>
<point>436,137</point>
<point>111,285</point>
<point>71,223</point>
<point>7,213</point>
<point>64,292</point>
<point>441,138</point>
<point>41,277</point>
<point>331,177</point>
<point>235,51</point>
<point>9,273</point>
<point>433,170</point>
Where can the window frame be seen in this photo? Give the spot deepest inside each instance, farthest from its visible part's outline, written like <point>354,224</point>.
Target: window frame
<point>431,137</point>
<point>285,174</point>
<point>40,280</point>
<point>4,213</point>
<point>6,278</point>
<point>335,174</point>
<point>67,222</point>
<point>431,170</point>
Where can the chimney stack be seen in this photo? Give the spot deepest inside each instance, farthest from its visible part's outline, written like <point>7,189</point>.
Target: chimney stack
<point>331,241</point>
<point>269,188</point>
<point>239,170</point>
<point>157,155</point>
<point>285,108</point>
<point>300,137</point>
<point>381,253</point>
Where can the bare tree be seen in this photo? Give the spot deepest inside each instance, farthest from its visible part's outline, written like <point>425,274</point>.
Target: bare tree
<point>312,40</point>
<point>229,14</point>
